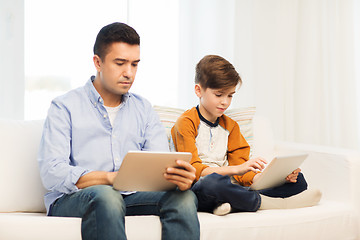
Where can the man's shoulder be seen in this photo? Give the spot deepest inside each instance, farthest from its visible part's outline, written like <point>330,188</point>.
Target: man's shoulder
<point>139,103</point>
<point>70,96</point>
<point>138,98</point>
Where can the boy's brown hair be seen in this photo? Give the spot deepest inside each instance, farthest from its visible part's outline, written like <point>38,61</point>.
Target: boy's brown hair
<point>215,72</point>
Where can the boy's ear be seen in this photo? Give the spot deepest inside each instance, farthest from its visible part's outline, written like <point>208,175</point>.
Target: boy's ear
<point>198,90</point>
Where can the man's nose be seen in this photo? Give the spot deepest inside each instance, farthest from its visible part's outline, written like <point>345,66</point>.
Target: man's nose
<point>128,72</point>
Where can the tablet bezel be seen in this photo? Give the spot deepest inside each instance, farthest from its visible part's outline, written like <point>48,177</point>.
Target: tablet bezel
<point>144,170</point>
<point>278,169</point>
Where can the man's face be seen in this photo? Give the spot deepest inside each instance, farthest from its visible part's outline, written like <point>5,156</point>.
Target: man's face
<point>214,102</point>
<point>118,69</point>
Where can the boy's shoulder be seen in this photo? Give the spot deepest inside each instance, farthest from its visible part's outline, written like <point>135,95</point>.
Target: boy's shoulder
<point>227,122</point>
<point>190,116</point>
<point>192,112</point>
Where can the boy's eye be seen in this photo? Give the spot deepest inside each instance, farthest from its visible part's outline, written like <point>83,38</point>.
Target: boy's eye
<point>120,63</point>
<point>134,64</point>
<point>218,95</point>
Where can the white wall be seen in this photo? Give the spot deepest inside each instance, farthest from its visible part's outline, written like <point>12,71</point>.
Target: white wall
<point>12,59</point>
<point>157,22</point>
<point>206,27</point>
<point>298,59</point>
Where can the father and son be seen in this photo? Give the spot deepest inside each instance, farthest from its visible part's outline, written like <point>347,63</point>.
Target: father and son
<point>89,130</point>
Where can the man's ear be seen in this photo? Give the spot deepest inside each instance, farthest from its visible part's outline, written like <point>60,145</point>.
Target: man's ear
<point>198,90</point>
<point>97,62</point>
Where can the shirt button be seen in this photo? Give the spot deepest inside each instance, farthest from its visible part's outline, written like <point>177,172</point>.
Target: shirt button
<point>105,115</point>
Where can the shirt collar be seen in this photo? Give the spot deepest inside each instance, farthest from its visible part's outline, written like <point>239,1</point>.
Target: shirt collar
<point>206,121</point>
<point>95,97</point>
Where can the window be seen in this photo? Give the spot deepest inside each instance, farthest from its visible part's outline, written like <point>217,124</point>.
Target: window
<point>59,38</point>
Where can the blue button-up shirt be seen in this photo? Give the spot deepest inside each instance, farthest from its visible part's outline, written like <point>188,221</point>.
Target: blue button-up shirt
<point>78,137</point>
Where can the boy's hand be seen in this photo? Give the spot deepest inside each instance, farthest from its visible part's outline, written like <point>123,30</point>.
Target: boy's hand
<point>183,175</point>
<point>292,177</point>
<point>254,164</point>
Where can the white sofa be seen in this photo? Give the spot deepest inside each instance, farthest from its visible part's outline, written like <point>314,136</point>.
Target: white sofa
<point>334,171</point>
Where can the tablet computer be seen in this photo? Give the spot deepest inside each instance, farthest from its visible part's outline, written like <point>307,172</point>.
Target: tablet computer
<point>144,170</point>
<point>278,169</point>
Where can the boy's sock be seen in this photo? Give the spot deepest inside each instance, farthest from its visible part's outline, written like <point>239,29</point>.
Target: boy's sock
<point>307,198</point>
<point>223,209</point>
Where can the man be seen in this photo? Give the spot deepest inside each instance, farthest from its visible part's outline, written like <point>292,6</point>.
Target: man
<point>86,135</point>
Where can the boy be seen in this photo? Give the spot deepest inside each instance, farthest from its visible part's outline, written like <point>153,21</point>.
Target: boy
<point>87,133</point>
<point>220,153</point>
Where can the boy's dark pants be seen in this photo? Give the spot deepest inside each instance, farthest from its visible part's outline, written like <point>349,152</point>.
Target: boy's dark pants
<point>215,189</point>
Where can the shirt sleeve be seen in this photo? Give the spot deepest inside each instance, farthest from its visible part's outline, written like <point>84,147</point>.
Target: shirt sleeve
<point>238,153</point>
<point>184,133</point>
<point>57,171</point>
<point>155,134</point>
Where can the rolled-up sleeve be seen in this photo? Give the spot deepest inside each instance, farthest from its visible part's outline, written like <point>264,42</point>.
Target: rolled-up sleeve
<point>57,171</point>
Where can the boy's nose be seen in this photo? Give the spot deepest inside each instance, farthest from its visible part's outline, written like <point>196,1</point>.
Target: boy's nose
<point>225,101</point>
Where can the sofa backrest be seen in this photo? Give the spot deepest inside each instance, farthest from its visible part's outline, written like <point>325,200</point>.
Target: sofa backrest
<point>20,183</point>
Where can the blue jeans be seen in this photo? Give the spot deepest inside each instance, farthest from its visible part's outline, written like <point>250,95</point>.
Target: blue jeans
<point>103,209</point>
<point>215,189</point>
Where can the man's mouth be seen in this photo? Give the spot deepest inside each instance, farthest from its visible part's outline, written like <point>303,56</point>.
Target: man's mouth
<point>124,83</point>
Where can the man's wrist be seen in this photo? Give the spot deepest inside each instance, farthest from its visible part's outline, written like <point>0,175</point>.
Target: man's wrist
<point>111,177</point>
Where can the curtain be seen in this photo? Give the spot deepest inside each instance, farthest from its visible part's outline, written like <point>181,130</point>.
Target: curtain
<point>304,70</point>
<point>297,59</point>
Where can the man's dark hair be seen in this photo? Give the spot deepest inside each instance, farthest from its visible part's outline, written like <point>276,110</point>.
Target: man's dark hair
<point>215,72</point>
<point>114,32</point>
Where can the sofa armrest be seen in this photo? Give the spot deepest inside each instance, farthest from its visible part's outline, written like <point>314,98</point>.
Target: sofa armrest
<point>333,170</point>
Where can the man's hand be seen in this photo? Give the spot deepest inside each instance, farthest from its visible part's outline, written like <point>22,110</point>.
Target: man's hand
<point>96,178</point>
<point>183,175</point>
<point>292,177</point>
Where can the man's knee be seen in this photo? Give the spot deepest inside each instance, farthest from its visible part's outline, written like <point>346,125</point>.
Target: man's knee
<point>189,200</point>
<point>105,199</point>
<point>182,201</point>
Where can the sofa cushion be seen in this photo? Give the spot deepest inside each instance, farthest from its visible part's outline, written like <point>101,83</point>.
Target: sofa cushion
<point>243,116</point>
<point>19,174</point>
<point>168,117</point>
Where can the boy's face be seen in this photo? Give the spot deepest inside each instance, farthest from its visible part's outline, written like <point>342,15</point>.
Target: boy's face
<point>214,102</point>
<point>118,69</point>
